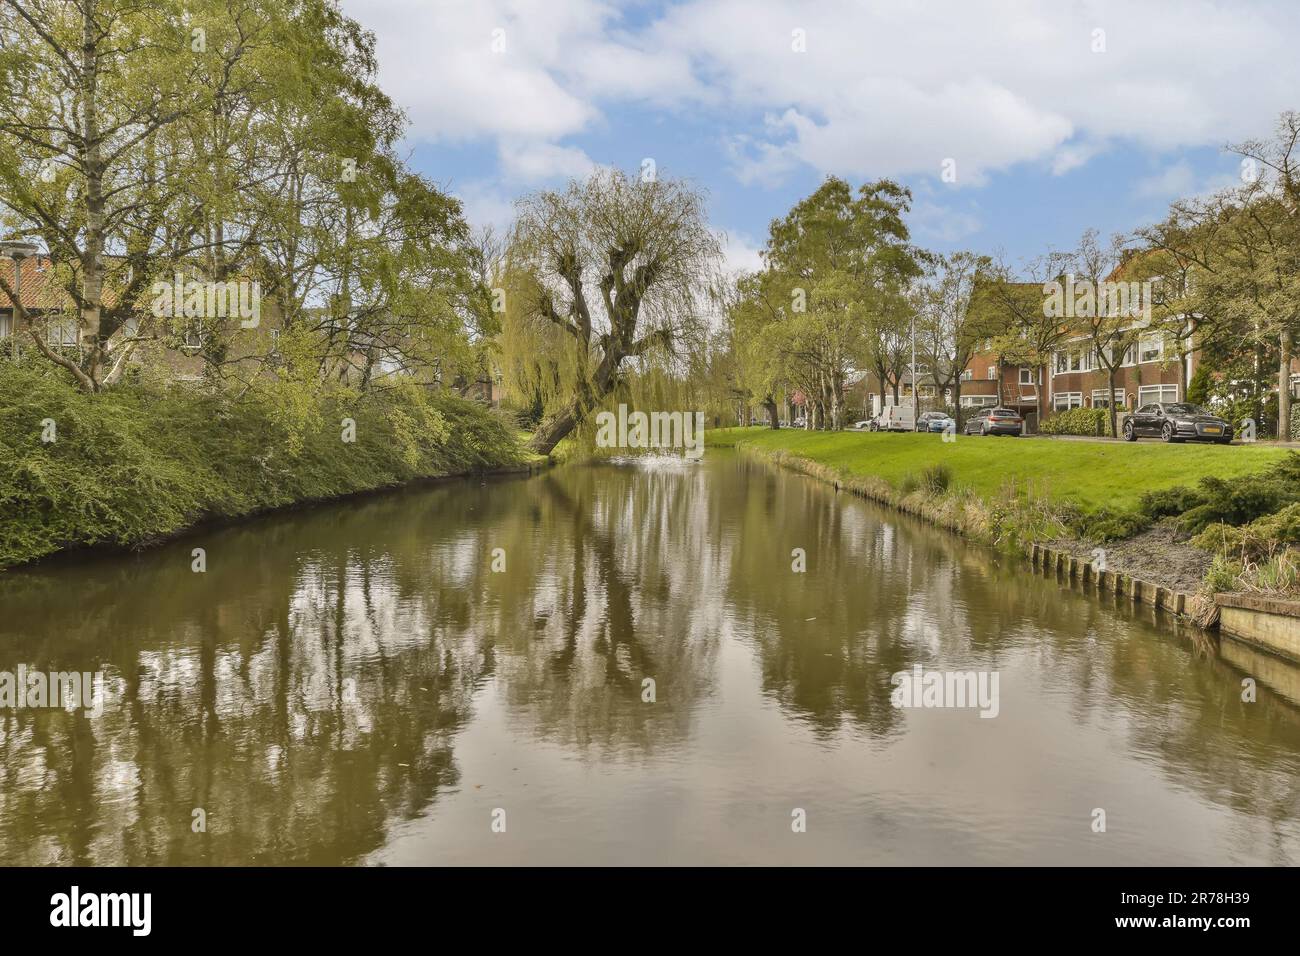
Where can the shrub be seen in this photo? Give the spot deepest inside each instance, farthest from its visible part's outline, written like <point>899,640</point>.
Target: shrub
<point>1221,576</point>
<point>1077,421</point>
<point>139,462</point>
<point>1169,501</point>
<point>1254,541</point>
<point>936,478</point>
<point>1106,524</point>
<point>1238,501</point>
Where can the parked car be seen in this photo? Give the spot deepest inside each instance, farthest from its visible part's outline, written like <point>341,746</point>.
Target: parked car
<point>863,424</point>
<point>934,422</point>
<point>996,421</point>
<point>1176,422</point>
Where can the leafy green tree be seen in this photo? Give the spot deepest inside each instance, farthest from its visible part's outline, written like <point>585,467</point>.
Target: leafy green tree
<point>619,267</point>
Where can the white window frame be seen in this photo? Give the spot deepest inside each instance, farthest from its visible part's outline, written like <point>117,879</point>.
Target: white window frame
<point>1156,393</point>
<point>993,373</point>
<point>1144,341</point>
<point>1064,401</point>
<point>979,401</point>
<point>1100,393</point>
<point>5,323</point>
<point>967,374</point>
<point>62,333</point>
<point>1026,376</point>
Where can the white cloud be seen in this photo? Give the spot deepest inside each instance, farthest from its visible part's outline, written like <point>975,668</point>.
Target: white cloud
<point>740,253</point>
<point>531,161</point>
<point>891,87</point>
<point>932,222</point>
<point>485,206</point>
<point>1179,179</point>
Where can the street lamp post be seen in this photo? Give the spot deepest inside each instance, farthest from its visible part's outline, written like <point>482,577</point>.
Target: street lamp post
<point>17,250</point>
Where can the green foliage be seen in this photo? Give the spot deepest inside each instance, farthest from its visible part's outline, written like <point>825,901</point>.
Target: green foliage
<point>1108,524</point>
<point>137,463</point>
<point>1077,421</point>
<point>1198,389</point>
<point>1169,501</point>
<point>1238,501</point>
<point>936,478</point>
<point>1256,540</point>
<point>1222,575</point>
<point>1232,502</point>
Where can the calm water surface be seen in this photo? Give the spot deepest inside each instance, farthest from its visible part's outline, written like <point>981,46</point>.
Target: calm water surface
<point>354,684</point>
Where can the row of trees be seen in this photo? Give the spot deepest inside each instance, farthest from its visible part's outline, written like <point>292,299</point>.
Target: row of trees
<point>228,140</point>
<point>843,289</point>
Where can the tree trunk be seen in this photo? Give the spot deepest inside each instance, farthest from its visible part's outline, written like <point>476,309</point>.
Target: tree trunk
<point>1284,387</point>
<point>1114,417</point>
<point>770,404</point>
<point>92,263</point>
<point>553,430</point>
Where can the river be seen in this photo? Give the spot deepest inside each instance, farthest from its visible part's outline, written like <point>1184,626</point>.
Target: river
<point>457,674</point>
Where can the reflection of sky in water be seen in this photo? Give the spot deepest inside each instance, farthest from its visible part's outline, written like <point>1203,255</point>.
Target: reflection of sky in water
<point>355,683</point>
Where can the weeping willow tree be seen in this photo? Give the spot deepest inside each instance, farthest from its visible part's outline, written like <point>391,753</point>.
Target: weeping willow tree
<point>611,270</point>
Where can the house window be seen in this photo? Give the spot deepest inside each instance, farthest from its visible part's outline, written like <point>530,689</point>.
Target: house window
<point>1099,398</point>
<point>993,373</point>
<point>1068,362</point>
<point>967,375</point>
<point>1151,348</point>
<point>1157,393</point>
<point>978,401</point>
<point>925,391</point>
<point>1063,401</point>
<point>4,326</point>
<point>1026,376</point>
<point>61,332</point>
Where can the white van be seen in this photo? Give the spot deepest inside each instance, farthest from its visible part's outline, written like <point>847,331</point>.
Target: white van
<point>895,418</point>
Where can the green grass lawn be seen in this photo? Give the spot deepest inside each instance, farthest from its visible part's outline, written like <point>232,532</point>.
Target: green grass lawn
<point>1092,474</point>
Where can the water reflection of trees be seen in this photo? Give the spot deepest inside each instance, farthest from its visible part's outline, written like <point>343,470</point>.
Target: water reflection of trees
<point>308,689</point>
<point>299,692</point>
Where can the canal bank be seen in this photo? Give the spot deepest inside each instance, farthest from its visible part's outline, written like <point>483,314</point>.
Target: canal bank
<point>1151,568</point>
<point>137,465</point>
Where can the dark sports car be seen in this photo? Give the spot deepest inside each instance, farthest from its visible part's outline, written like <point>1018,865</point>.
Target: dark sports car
<point>1175,422</point>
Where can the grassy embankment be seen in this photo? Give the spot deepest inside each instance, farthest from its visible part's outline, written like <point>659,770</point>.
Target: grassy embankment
<point>1091,475</point>
<point>1012,491</point>
<point>137,464</point>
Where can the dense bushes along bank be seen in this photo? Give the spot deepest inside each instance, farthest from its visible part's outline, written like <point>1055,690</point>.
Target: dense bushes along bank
<point>138,463</point>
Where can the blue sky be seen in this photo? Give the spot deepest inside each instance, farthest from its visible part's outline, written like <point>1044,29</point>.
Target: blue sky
<point>1056,116</point>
